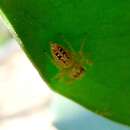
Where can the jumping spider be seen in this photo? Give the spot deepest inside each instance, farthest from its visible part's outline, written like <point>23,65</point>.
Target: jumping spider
<point>70,63</point>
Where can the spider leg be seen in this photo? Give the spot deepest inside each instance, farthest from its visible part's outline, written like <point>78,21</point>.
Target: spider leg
<point>50,42</point>
<point>67,43</point>
<point>89,62</point>
<point>85,58</point>
<point>51,59</point>
<point>60,76</point>
<point>70,82</point>
<point>83,41</point>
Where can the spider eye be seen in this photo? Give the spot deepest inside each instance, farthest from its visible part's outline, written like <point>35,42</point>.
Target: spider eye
<point>60,49</point>
<point>57,54</point>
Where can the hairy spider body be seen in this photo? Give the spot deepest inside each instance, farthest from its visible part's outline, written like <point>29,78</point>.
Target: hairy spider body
<point>66,62</point>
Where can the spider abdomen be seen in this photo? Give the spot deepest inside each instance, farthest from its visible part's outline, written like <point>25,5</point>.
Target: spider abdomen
<point>61,56</point>
<point>77,71</point>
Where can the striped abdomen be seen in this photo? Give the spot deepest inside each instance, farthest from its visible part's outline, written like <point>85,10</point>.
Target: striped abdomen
<point>61,56</point>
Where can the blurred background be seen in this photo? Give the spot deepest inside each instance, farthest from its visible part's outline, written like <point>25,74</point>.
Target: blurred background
<point>26,102</point>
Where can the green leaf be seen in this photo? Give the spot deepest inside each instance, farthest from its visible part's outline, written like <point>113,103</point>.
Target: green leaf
<point>105,87</point>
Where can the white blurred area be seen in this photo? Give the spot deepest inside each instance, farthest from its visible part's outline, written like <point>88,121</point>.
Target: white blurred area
<point>24,97</point>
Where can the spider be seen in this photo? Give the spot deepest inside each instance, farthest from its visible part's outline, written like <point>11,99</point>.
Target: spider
<point>70,63</point>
